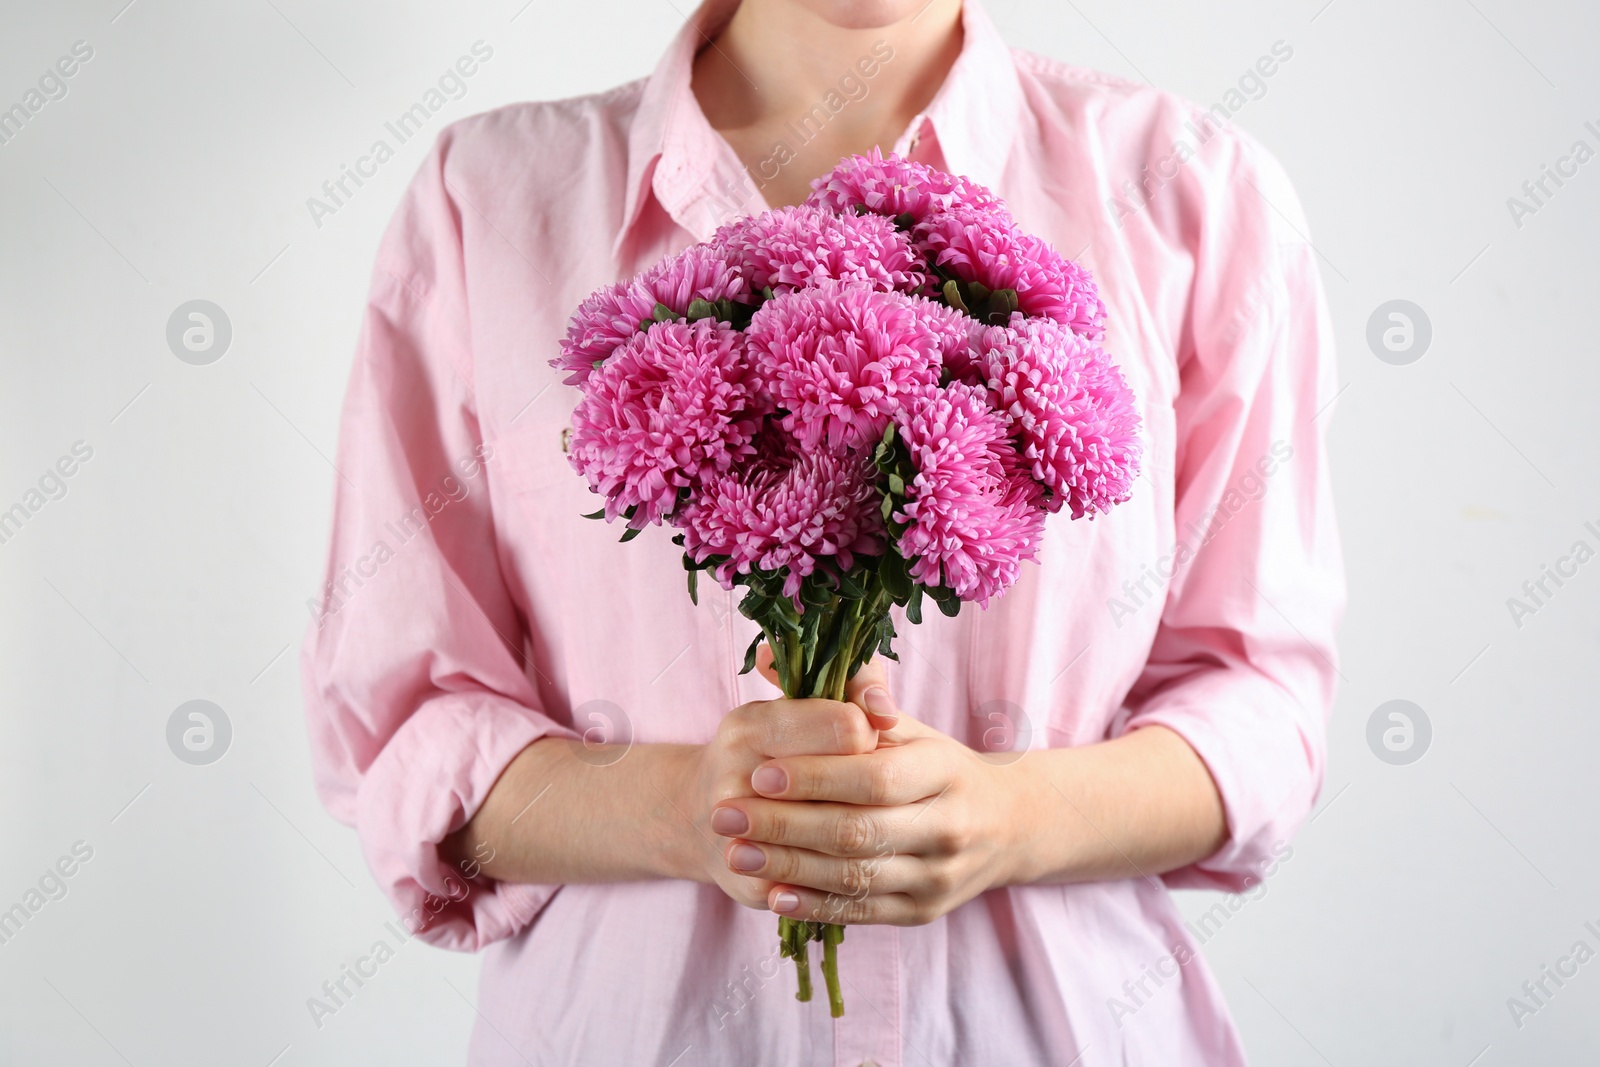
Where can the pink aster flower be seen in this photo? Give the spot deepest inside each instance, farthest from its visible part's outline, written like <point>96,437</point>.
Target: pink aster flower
<point>795,247</point>
<point>612,316</point>
<point>895,186</point>
<point>790,507</point>
<point>1070,405</point>
<point>840,360</point>
<point>971,246</point>
<point>972,516</point>
<point>672,405</point>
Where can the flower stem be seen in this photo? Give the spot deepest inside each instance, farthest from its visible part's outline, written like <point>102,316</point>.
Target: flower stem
<point>802,963</point>
<point>805,670</point>
<point>832,934</point>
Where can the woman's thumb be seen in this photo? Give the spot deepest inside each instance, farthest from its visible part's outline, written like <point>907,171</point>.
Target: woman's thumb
<point>868,689</point>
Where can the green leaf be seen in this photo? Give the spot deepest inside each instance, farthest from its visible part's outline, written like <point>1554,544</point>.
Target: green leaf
<point>849,588</point>
<point>886,458</point>
<point>952,295</point>
<point>595,514</point>
<point>888,507</point>
<point>1001,305</point>
<point>663,313</point>
<point>632,532</point>
<point>863,654</point>
<point>755,606</point>
<point>724,309</point>
<point>895,576</point>
<point>824,656</point>
<point>694,587</point>
<point>914,606</point>
<point>951,607</point>
<point>700,309</point>
<point>750,655</point>
<point>886,635</point>
<point>766,292</point>
<point>979,291</point>
<point>784,665</point>
<point>904,220</point>
<point>808,638</point>
<point>815,594</point>
<point>897,485</point>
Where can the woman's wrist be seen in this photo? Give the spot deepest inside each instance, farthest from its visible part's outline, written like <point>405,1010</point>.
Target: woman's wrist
<point>680,845</point>
<point>566,812</point>
<point>1135,806</point>
<point>1032,845</point>
<point>650,816</point>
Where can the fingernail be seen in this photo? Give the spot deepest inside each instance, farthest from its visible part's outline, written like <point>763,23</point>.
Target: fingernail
<point>730,822</point>
<point>880,703</point>
<point>742,857</point>
<point>784,903</point>
<point>769,780</point>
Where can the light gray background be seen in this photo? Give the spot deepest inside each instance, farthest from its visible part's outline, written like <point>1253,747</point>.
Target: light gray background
<point>178,564</point>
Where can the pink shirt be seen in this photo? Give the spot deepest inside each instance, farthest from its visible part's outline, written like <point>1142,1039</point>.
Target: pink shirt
<point>472,610</point>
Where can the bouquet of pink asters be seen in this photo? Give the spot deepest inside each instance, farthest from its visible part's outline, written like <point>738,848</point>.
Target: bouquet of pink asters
<point>857,403</point>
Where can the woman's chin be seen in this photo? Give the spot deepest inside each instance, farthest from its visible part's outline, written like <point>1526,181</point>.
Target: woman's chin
<point>867,14</point>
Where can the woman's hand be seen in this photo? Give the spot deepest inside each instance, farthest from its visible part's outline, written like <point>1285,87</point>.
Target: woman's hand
<point>858,819</point>
<point>900,834</point>
<point>749,737</point>
<point>645,811</point>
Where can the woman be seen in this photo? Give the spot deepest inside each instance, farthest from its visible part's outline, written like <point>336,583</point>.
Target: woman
<point>1167,669</point>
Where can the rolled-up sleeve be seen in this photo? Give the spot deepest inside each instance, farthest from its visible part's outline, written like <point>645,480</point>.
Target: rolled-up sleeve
<point>416,693</point>
<point>1243,664</point>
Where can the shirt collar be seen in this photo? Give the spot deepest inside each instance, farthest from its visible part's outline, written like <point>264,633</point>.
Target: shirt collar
<point>977,111</point>
<point>672,149</point>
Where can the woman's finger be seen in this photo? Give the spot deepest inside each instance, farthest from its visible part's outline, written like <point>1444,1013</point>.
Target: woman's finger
<point>880,708</point>
<point>844,830</point>
<point>868,689</point>
<point>856,876</point>
<point>901,774</point>
<point>764,665</point>
<point>800,727</point>
<point>889,909</point>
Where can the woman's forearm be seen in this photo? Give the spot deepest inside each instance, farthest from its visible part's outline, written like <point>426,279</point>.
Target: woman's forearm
<point>1140,805</point>
<point>566,813</point>
<point>1136,806</point>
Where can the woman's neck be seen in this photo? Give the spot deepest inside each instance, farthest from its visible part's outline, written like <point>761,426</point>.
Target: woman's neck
<point>792,92</point>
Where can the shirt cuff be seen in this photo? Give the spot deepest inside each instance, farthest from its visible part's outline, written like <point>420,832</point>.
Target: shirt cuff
<point>430,778</point>
<point>1248,732</point>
